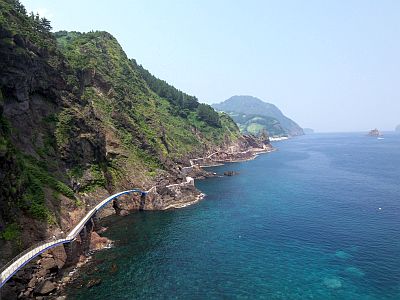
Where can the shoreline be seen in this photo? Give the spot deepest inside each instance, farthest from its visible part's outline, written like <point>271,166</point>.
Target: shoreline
<point>277,139</point>
<point>69,275</point>
<point>255,153</point>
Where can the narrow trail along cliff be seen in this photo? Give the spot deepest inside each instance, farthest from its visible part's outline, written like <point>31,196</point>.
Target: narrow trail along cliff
<point>80,121</point>
<point>90,222</point>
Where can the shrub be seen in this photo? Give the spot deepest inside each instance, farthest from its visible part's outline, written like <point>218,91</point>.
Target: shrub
<point>11,232</point>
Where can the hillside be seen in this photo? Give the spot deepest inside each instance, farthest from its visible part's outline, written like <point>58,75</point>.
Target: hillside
<point>256,124</point>
<point>248,105</point>
<point>79,121</point>
<point>397,129</point>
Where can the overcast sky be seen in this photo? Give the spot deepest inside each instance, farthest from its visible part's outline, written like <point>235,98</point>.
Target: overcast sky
<point>329,65</point>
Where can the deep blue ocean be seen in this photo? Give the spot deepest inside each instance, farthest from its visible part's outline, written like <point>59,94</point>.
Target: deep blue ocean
<point>317,219</point>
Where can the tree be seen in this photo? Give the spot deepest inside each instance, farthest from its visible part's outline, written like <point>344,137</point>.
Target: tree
<point>264,135</point>
<point>19,7</point>
<point>208,114</point>
<point>45,24</point>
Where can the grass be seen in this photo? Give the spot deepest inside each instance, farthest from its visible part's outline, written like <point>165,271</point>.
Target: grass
<point>11,233</point>
<point>64,127</point>
<point>35,177</point>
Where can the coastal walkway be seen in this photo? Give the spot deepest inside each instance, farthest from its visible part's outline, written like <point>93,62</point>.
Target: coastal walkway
<point>26,256</point>
<point>82,228</point>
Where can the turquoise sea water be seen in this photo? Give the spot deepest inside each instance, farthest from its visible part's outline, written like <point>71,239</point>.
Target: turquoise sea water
<point>317,219</point>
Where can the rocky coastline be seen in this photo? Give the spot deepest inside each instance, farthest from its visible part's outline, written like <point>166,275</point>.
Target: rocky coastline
<point>47,276</point>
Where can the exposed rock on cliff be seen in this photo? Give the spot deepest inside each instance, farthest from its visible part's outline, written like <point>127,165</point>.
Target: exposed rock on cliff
<point>80,121</point>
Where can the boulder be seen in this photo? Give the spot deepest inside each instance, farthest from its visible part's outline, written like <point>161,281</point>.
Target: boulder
<point>45,288</point>
<point>32,282</point>
<point>97,242</point>
<point>230,173</point>
<point>60,257</point>
<point>93,282</point>
<point>42,273</point>
<point>48,263</point>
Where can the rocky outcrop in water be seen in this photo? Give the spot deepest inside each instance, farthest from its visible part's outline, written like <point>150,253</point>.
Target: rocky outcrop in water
<point>79,121</point>
<point>375,132</point>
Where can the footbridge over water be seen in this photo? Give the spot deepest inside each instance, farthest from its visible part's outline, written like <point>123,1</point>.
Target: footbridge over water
<point>83,229</point>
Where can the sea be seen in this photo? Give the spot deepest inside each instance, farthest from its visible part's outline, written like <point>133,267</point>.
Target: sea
<point>317,219</point>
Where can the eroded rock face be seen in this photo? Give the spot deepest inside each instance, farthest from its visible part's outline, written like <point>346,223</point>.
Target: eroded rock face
<point>97,242</point>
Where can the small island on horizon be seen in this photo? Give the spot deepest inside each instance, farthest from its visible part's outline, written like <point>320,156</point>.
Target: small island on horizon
<point>375,132</point>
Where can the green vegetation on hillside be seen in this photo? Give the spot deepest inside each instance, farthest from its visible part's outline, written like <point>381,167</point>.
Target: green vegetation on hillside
<point>176,97</point>
<point>248,105</point>
<point>256,124</point>
<point>163,115</point>
<point>14,18</point>
<point>96,119</point>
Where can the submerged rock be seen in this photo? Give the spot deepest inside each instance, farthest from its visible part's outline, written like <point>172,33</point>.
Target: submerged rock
<point>230,173</point>
<point>93,282</point>
<point>355,271</point>
<point>333,283</point>
<point>113,269</point>
<point>342,254</point>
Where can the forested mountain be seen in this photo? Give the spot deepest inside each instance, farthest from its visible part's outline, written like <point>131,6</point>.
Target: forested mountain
<point>248,105</point>
<point>257,124</point>
<point>80,120</point>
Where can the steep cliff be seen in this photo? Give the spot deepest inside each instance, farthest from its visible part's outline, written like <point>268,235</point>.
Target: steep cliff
<point>79,120</point>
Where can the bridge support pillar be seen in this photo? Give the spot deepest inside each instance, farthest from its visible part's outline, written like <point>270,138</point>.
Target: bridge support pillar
<point>142,201</point>
<point>96,222</point>
<point>70,251</point>
<point>85,235</point>
<point>115,206</point>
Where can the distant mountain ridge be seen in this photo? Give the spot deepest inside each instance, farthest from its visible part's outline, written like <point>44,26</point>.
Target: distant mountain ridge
<point>308,130</point>
<point>246,106</point>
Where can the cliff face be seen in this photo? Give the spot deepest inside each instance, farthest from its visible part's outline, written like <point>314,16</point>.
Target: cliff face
<point>78,121</point>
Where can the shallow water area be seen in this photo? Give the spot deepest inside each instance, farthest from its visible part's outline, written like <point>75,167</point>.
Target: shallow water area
<point>302,222</point>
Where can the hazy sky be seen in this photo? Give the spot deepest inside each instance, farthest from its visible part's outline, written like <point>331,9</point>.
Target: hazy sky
<point>329,65</point>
